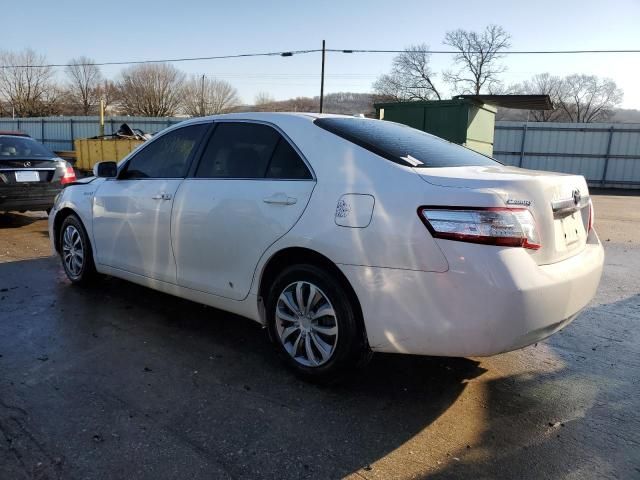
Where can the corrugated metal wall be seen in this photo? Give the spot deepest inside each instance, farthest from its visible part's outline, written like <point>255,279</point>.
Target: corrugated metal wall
<point>606,154</point>
<point>58,133</point>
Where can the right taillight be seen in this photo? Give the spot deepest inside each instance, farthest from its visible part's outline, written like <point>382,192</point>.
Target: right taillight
<point>512,227</point>
<point>591,217</point>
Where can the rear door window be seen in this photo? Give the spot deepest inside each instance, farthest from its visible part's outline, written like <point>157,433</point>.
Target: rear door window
<point>250,150</point>
<point>238,150</point>
<point>402,144</point>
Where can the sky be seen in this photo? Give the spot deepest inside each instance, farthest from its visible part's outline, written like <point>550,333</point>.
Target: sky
<point>107,31</point>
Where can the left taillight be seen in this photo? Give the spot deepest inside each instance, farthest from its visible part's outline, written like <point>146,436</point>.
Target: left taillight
<point>509,227</point>
<point>69,175</point>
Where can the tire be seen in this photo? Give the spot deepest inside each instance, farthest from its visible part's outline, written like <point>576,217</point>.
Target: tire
<point>75,251</point>
<point>321,349</point>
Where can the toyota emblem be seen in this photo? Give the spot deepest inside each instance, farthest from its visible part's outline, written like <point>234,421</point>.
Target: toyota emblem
<point>27,164</point>
<point>576,196</point>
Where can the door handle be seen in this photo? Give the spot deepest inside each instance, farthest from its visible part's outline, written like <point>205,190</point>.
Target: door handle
<point>280,199</point>
<point>162,196</point>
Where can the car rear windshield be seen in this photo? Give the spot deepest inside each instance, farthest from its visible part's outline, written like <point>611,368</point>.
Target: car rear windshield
<point>402,144</point>
<point>20,147</point>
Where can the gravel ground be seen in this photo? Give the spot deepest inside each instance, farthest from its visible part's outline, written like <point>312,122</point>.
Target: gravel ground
<point>118,381</point>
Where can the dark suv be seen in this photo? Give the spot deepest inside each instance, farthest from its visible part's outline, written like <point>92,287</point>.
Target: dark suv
<point>30,175</point>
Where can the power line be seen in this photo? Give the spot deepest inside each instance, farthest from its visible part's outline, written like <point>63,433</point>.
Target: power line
<point>510,52</point>
<point>290,53</point>
<point>279,76</point>
<point>168,60</point>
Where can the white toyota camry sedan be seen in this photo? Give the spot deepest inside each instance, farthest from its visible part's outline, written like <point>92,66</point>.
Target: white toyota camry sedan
<point>343,235</point>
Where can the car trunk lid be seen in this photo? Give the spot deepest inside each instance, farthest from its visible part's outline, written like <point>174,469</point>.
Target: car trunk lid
<point>27,170</point>
<point>559,202</point>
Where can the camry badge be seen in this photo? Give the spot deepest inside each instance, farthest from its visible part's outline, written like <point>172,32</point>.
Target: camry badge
<point>27,164</point>
<point>513,201</point>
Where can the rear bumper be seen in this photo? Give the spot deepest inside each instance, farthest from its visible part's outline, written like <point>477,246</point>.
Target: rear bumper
<point>29,196</point>
<point>491,300</point>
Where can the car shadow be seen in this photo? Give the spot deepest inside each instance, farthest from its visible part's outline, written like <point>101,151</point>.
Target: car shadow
<point>17,220</point>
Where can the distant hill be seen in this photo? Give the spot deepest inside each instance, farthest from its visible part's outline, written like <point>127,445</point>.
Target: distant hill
<point>620,115</point>
<point>349,103</point>
<point>346,103</point>
<point>626,115</point>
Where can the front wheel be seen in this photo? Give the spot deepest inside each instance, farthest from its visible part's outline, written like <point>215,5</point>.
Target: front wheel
<point>75,251</point>
<point>314,324</point>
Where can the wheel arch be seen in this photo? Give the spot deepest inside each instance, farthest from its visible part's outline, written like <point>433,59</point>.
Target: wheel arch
<point>61,215</point>
<point>299,255</point>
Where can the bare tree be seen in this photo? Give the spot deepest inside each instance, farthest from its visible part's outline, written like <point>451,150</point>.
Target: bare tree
<point>84,80</point>
<point>26,84</point>
<point>263,98</point>
<point>478,58</point>
<point>209,96</point>
<point>411,77</point>
<point>587,98</point>
<point>545,84</point>
<point>153,90</point>
<point>109,92</point>
<point>301,104</point>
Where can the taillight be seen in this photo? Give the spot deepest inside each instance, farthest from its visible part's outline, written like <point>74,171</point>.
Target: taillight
<point>591,215</point>
<point>69,176</point>
<point>511,227</point>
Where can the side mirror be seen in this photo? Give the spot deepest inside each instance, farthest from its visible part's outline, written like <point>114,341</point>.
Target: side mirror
<point>105,169</point>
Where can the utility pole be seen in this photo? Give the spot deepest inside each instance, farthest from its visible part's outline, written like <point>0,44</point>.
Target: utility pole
<point>102,117</point>
<point>322,78</point>
<point>202,97</point>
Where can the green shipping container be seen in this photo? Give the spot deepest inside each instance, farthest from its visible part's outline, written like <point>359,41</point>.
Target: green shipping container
<point>466,122</point>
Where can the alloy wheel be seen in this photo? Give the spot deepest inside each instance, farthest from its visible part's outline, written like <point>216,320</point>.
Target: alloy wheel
<point>72,250</point>
<point>306,324</point>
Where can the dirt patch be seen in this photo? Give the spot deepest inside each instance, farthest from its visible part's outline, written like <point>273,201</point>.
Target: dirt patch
<point>23,236</point>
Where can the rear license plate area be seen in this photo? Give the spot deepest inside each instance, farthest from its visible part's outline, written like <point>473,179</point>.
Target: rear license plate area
<point>571,228</point>
<point>27,176</point>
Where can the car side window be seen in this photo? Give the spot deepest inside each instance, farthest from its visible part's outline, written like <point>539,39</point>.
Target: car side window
<point>167,156</point>
<point>238,150</point>
<point>250,150</point>
<point>287,164</point>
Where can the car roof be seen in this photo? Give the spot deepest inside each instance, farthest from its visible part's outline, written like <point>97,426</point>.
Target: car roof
<point>14,133</point>
<point>264,116</point>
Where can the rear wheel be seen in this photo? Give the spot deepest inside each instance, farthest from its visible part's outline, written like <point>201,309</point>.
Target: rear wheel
<point>313,324</point>
<point>75,251</point>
